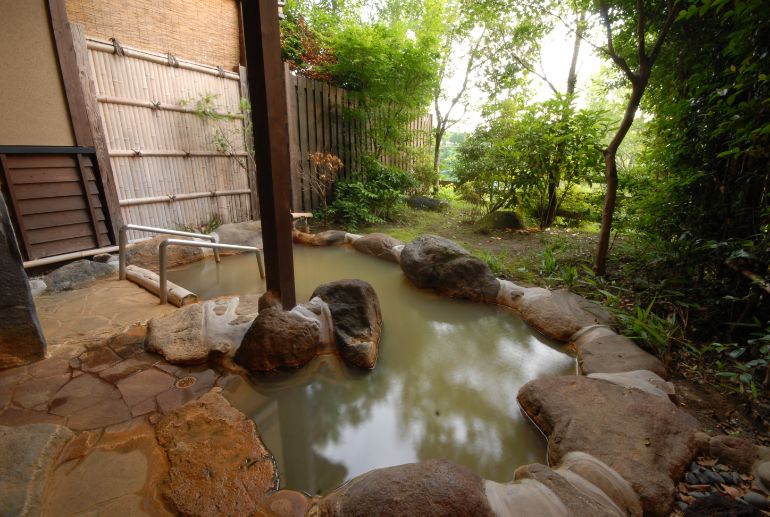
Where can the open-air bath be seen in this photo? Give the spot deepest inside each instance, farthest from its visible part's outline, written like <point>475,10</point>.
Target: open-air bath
<point>444,387</point>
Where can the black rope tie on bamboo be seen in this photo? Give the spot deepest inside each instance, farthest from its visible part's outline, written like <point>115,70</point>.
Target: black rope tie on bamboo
<point>172,61</point>
<point>137,152</point>
<point>220,72</point>
<point>155,106</point>
<point>118,47</point>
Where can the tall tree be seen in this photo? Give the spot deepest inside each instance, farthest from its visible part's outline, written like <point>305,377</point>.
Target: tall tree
<point>635,34</point>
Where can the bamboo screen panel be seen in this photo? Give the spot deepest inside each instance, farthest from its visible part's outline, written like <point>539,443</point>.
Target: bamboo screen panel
<point>170,170</point>
<point>203,32</point>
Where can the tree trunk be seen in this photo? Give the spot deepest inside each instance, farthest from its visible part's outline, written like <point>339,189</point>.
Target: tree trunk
<point>611,172</point>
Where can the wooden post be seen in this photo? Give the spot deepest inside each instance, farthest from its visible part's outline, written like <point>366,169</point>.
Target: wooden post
<point>270,126</point>
<point>294,153</point>
<point>81,99</point>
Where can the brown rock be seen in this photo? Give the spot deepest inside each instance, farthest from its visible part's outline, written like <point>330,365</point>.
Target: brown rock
<point>428,489</point>
<point>378,245</point>
<point>327,238</point>
<point>737,452</point>
<point>601,350</point>
<point>269,300</point>
<point>357,318</point>
<point>644,437</point>
<point>559,314</point>
<point>278,339</point>
<point>578,503</point>
<point>145,253</point>
<point>178,336</point>
<point>436,263</point>
<point>98,359</point>
<point>218,463</point>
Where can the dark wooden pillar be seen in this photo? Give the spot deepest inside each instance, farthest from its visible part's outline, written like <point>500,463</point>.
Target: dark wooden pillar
<point>267,90</point>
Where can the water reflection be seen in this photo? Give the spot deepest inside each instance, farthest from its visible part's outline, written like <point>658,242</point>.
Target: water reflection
<point>445,385</point>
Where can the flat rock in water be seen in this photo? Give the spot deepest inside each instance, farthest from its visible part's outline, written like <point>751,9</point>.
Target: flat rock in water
<point>145,253</point>
<point>77,275</point>
<point>248,233</point>
<point>557,314</point>
<point>433,488</point>
<point>601,350</point>
<point>355,311</point>
<point>644,380</point>
<point>218,464</point>
<point>436,263</point>
<point>644,437</point>
<point>327,238</point>
<point>378,245</point>
<point>27,455</point>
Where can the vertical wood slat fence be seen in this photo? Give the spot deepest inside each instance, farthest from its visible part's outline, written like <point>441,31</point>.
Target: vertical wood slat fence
<point>170,167</point>
<point>322,123</point>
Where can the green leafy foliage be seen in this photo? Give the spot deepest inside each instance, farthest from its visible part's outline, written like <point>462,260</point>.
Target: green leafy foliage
<point>525,147</point>
<point>375,195</point>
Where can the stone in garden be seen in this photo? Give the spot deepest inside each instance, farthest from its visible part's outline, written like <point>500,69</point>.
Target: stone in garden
<point>756,500</point>
<point>102,257</point>
<point>427,203</point>
<point>378,245</point>
<point>430,488</point>
<point>279,339</point>
<point>145,253</point>
<point>575,493</point>
<point>248,233</point>
<point>737,452</point>
<point>602,350</point>
<point>436,263</point>
<point>27,455</point>
<point>501,220</point>
<point>644,438</point>
<point>37,286</point>
<point>557,314</point>
<point>218,464</point>
<point>355,311</point>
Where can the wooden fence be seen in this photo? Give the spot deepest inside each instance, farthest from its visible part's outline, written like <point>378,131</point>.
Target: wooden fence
<point>324,124</point>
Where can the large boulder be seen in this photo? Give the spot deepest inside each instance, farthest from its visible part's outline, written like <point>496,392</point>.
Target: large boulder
<point>500,220</point>
<point>557,314</point>
<point>429,489</point>
<point>278,340</point>
<point>145,253</point>
<point>436,263</point>
<point>327,238</point>
<point>193,333</point>
<point>355,311</point>
<point>644,437</point>
<point>248,233</point>
<point>378,245</point>
<point>601,350</point>
<point>77,275</point>
<point>218,464</point>
<point>427,203</point>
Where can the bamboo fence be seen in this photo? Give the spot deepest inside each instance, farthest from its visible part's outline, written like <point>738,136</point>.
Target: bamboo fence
<point>169,168</point>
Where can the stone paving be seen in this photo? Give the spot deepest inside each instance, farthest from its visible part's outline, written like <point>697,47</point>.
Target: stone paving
<point>89,315</point>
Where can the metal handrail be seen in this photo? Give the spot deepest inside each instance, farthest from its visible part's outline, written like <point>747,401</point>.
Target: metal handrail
<point>215,246</point>
<point>123,242</point>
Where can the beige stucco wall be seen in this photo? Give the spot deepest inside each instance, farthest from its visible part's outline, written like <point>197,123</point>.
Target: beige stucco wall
<point>33,106</point>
